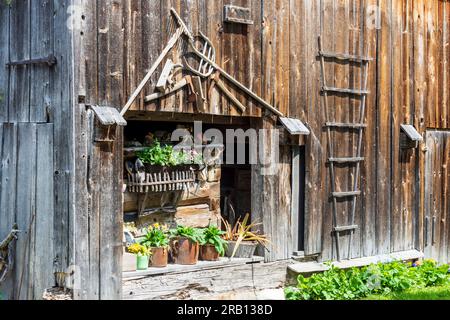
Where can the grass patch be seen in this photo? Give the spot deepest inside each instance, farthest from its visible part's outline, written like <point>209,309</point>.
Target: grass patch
<point>438,293</point>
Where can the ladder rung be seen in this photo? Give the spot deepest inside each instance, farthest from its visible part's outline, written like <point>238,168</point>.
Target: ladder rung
<point>345,56</point>
<point>346,228</point>
<point>355,92</point>
<point>346,125</point>
<point>346,194</point>
<point>346,160</point>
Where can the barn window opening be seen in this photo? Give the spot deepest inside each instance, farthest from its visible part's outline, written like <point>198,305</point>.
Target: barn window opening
<point>214,188</point>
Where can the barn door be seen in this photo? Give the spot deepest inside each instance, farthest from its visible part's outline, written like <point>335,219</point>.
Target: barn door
<point>26,198</point>
<point>437,196</point>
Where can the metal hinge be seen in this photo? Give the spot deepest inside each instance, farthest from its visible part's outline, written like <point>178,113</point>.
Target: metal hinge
<point>49,61</point>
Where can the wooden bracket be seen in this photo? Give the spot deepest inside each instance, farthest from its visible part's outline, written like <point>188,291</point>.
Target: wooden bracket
<point>409,137</point>
<point>107,121</point>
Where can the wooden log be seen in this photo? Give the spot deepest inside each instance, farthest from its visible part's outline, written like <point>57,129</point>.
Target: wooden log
<point>207,283</point>
<point>198,216</point>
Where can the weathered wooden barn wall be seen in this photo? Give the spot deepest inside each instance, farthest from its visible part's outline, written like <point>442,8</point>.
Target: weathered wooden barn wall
<point>277,58</point>
<point>409,85</point>
<point>35,143</point>
<point>437,209</point>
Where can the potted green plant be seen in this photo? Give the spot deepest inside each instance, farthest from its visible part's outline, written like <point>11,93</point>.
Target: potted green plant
<point>157,241</point>
<point>184,244</point>
<point>142,256</point>
<point>159,157</point>
<point>213,246</point>
<point>243,239</point>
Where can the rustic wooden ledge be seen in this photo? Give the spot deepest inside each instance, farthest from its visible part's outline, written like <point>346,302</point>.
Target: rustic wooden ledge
<point>314,267</point>
<point>202,265</point>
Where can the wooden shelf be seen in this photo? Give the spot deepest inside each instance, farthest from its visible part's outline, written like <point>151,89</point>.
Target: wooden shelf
<point>202,265</point>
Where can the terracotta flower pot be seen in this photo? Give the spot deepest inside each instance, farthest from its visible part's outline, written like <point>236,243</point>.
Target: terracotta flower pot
<point>160,257</point>
<point>184,251</point>
<point>209,253</point>
<point>245,250</point>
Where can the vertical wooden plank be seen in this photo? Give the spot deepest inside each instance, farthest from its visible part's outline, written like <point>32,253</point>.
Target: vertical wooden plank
<point>4,58</point>
<point>19,89</point>
<point>8,198</point>
<point>283,245</point>
<point>111,37</point>
<point>441,62</point>
<point>241,50</point>
<point>152,29</point>
<point>316,214</point>
<point>427,17</point>
<point>299,71</point>
<point>419,80</point>
<point>295,236</point>
<point>25,210</point>
<point>8,159</point>
<point>446,67</point>
<point>82,200</point>
<point>368,170</point>
<point>355,80</point>
<point>167,29</point>
<point>254,57</point>
<point>428,190</point>
<point>84,232</point>
<point>384,79</point>
<point>43,277</point>
<point>189,12</point>
<point>61,113</point>
<point>87,46</point>
<point>445,195</point>
<point>327,27</point>
<point>41,46</point>
<point>93,186</point>
<point>132,63</point>
<point>211,21</point>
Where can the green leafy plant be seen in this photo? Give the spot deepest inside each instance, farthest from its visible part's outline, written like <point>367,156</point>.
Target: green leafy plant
<point>157,155</point>
<point>166,156</point>
<point>379,279</point>
<point>156,237</point>
<point>213,236</point>
<point>193,234</point>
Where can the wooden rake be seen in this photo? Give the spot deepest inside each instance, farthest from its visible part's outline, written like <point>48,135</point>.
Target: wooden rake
<point>182,30</point>
<point>208,65</point>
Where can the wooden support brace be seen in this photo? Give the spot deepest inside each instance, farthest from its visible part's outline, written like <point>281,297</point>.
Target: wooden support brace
<point>227,93</point>
<point>198,90</point>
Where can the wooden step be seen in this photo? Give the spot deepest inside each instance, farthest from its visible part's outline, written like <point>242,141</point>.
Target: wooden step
<point>345,228</point>
<point>346,160</point>
<point>308,268</point>
<point>346,194</point>
<point>346,125</point>
<point>356,92</point>
<point>345,57</point>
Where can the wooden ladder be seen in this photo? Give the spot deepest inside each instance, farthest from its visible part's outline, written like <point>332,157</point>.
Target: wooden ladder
<point>351,161</point>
